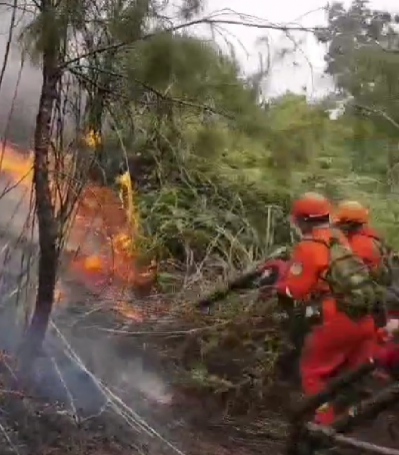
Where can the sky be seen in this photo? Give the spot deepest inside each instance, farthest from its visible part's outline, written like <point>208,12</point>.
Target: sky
<point>305,68</point>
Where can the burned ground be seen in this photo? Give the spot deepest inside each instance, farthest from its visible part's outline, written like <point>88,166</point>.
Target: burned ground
<point>44,419</point>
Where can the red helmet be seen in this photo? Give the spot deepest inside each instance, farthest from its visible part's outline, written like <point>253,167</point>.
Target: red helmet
<point>311,205</point>
<point>351,211</point>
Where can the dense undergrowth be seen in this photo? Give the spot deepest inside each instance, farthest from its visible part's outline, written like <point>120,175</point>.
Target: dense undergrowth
<point>233,355</point>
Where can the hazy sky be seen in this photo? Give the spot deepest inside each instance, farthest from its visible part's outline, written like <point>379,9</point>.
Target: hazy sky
<point>308,68</point>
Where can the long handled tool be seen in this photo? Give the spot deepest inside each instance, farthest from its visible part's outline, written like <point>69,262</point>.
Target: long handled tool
<point>242,281</point>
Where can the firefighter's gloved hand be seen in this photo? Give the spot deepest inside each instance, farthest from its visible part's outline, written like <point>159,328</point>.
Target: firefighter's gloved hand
<point>272,271</point>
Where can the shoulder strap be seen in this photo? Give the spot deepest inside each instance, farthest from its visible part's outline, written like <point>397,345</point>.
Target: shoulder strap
<point>381,245</point>
<point>370,236</point>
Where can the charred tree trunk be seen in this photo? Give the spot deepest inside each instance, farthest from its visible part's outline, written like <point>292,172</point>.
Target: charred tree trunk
<point>45,211</point>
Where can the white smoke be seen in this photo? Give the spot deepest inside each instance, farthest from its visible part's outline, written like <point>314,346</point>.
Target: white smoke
<point>20,89</point>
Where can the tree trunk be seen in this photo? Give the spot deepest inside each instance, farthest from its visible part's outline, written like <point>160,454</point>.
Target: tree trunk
<point>45,212</point>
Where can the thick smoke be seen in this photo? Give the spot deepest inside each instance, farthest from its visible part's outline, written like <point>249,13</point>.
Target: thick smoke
<point>20,88</point>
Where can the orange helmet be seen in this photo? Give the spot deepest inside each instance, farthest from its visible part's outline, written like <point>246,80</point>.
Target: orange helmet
<point>351,212</point>
<point>311,205</point>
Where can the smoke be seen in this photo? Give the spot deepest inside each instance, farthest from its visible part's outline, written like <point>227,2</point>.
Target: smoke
<point>20,88</point>
<point>128,370</point>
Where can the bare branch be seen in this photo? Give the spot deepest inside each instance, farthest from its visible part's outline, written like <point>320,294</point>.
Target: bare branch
<point>172,29</point>
<point>378,112</point>
<point>165,97</point>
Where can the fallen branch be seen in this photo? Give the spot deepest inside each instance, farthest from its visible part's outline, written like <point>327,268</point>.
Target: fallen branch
<point>330,436</point>
<point>308,406</point>
<point>154,333</point>
<point>369,409</point>
<point>242,281</point>
<point>313,402</point>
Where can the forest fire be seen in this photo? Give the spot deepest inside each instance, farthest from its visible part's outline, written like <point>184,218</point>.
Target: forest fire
<point>99,237</point>
<point>16,165</point>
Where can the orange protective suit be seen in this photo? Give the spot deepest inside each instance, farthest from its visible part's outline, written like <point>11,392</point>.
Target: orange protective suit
<point>337,342</point>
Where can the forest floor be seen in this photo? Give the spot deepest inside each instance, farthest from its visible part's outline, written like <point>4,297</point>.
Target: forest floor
<point>128,407</point>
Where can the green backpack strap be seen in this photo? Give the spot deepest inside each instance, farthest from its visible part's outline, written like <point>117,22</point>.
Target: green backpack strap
<point>333,241</point>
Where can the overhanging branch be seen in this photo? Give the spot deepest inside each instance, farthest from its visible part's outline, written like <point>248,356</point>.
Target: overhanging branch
<point>164,97</point>
<point>202,21</point>
<point>378,112</point>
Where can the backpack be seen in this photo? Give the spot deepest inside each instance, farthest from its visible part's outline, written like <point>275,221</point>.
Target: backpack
<point>349,278</point>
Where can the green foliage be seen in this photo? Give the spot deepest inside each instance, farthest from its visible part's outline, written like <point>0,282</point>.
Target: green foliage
<point>296,130</point>
<point>209,200</point>
<point>250,336</point>
<point>185,68</point>
<point>219,178</point>
<point>363,59</point>
<point>52,27</point>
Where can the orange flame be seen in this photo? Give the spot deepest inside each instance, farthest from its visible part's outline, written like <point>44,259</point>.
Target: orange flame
<point>93,263</point>
<point>16,165</point>
<point>101,231</point>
